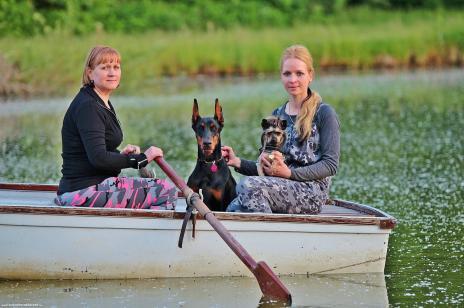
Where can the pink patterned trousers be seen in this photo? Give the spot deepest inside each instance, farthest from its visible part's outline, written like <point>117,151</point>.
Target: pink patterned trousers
<point>124,192</point>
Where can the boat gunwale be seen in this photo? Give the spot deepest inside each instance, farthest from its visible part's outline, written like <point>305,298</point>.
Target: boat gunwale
<point>373,215</point>
<point>388,223</point>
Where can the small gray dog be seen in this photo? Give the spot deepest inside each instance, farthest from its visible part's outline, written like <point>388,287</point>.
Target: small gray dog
<point>273,137</point>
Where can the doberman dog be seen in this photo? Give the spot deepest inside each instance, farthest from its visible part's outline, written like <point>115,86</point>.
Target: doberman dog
<point>211,173</point>
<point>273,137</point>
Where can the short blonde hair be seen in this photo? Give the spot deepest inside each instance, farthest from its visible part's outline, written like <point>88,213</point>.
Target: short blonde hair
<point>97,55</point>
<point>310,104</point>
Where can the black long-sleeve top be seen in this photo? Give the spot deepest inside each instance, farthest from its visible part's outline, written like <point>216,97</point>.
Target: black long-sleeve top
<point>90,136</point>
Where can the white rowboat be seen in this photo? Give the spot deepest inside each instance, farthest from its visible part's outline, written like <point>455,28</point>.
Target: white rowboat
<point>40,240</point>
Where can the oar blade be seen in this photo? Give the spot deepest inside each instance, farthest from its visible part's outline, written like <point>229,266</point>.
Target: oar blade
<point>270,284</point>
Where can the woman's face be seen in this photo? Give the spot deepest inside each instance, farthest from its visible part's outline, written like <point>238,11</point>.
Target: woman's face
<point>106,76</point>
<point>295,77</point>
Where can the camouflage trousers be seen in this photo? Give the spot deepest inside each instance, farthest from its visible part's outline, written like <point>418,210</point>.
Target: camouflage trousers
<point>124,192</point>
<point>279,195</point>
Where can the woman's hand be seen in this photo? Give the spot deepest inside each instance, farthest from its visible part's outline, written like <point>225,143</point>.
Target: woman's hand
<point>131,149</point>
<point>273,164</point>
<point>153,152</point>
<point>229,156</point>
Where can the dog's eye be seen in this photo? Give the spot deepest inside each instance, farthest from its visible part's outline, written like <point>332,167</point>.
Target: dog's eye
<point>212,127</point>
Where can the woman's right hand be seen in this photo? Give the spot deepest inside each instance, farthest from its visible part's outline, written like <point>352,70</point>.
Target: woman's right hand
<point>153,152</point>
<point>229,156</point>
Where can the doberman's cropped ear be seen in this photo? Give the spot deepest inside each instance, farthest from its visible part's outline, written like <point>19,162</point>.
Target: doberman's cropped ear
<point>283,124</point>
<point>195,112</point>
<point>218,113</point>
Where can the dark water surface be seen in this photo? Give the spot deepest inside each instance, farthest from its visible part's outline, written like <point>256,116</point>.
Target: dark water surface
<point>402,151</point>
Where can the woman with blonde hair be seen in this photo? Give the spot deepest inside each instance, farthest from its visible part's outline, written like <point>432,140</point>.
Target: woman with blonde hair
<point>298,179</point>
<point>91,133</point>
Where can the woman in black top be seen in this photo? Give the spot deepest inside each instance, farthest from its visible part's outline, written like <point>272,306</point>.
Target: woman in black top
<point>91,133</point>
<point>297,180</point>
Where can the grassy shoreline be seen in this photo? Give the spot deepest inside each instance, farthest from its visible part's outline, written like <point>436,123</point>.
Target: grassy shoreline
<point>354,40</point>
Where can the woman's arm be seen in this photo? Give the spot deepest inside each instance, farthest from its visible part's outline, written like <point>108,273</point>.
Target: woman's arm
<point>91,126</point>
<point>329,138</point>
<point>247,167</point>
<point>242,166</point>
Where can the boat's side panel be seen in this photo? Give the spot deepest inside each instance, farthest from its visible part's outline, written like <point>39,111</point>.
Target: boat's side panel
<point>60,246</point>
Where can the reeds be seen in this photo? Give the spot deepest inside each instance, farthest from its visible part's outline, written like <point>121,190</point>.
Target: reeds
<point>354,40</point>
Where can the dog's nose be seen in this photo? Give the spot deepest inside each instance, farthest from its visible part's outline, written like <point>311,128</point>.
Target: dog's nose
<point>274,140</point>
<point>206,144</point>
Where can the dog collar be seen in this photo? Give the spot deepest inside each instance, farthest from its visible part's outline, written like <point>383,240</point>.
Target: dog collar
<point>214,167</point>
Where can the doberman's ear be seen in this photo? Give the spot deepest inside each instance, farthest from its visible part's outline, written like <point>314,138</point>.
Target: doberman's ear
<point>218,113</point>
<point>195,112</point>
<point>283,124</point>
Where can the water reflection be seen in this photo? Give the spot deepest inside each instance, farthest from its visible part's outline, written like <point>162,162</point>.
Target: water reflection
<point>367,290</point>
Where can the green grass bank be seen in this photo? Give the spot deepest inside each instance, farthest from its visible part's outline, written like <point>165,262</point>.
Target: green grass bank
<point>358,39</point>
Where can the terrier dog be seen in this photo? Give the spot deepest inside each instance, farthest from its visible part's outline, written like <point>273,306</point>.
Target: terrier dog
<point>211,173</point>
<point>273,137</point>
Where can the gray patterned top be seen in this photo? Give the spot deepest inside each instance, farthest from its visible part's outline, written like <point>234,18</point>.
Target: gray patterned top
<point>318,156</point>
<point>314,159</point>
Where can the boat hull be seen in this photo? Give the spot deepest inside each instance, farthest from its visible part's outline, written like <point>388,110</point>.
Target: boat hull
<point>48,246</point>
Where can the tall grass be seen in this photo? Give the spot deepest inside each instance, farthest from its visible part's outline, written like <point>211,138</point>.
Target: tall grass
<point>358,39</point>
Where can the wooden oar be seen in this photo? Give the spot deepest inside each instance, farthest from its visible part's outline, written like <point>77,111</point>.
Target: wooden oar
<point>270,284</point>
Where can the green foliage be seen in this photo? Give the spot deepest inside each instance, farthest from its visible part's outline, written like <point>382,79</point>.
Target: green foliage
<point>32,17</point>
<point>410,4</point>
<point>20,18</point>
<point>341,41</point>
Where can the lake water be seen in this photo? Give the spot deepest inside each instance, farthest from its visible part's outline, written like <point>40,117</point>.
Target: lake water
<point>402,152</point>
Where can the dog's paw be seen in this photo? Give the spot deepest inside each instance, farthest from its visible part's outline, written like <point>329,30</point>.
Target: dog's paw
<point>146,173</point>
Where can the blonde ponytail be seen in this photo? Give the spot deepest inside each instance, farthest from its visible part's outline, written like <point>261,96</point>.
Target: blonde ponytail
<point>306,115</point>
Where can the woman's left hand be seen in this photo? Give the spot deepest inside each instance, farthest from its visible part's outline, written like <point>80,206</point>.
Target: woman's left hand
<point>274,165</point>
<point>131,149</point>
